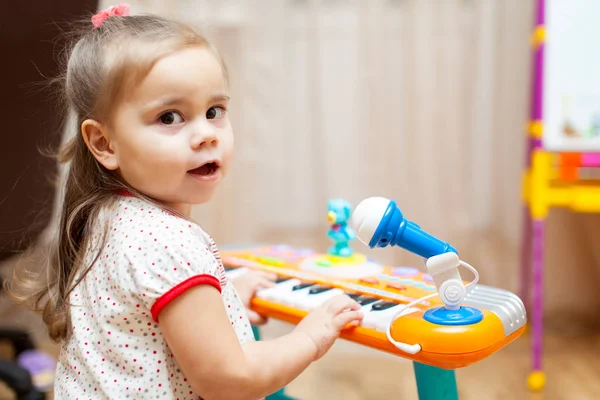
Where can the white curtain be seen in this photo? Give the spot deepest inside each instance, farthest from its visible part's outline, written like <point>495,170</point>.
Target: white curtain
<point>421,101</point>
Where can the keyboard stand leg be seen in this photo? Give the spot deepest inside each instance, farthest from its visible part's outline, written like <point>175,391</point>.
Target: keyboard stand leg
<point>280,394</point>
<point>435,383</point>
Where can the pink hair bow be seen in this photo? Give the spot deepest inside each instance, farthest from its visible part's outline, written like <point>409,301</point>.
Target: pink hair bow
<point>120,10</point>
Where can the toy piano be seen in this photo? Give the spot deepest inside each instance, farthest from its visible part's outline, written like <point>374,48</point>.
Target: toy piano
<point>307,279</point>
<point>435,332</point>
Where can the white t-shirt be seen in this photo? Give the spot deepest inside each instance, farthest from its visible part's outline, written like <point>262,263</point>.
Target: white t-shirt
<point>117,350</point>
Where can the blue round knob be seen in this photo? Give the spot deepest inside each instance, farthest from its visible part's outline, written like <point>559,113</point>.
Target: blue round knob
<point>463,316</point>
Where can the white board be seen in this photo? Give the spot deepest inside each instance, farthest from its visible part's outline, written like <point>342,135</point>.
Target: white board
<point>571,85</point>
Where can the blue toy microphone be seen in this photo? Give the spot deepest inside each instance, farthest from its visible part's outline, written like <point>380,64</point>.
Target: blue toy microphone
<point>378,222</point>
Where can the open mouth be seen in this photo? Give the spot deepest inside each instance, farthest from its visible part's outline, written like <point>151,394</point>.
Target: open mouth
<point>207,169</point>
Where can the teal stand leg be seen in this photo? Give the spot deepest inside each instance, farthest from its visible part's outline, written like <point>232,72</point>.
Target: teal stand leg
<point>280,394</point>
<point>435,383</point>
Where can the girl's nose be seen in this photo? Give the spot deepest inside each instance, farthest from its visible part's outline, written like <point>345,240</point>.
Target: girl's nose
<point>204,135</point>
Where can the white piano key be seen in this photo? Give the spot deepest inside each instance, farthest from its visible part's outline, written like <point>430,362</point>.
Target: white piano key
<point>277,291</point>
<point>312,301</point>
<point>382,323</point>
<point>366,310</point>
<point>292,297</point>
<point>373,316</point>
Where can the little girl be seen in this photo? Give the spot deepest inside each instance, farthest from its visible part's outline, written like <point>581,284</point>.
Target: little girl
<point>137,295</point>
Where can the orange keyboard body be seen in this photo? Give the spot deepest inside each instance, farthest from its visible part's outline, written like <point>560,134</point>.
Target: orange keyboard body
<point>442,346</point>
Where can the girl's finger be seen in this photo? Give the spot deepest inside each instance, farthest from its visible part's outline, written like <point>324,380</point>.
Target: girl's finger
<point>340,303</point>
<point>349,317</point>
<point>269,275</point>
<point>255,318</point>
<point>266,283</point>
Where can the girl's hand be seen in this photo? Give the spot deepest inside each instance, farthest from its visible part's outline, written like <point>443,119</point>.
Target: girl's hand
<point>247,284</point>
<point>325,323</point>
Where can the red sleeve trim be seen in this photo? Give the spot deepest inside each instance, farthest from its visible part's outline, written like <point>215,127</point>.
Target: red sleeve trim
<point>181,288</point>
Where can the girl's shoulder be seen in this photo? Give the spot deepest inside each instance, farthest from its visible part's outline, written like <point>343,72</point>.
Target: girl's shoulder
<point>152,252</point>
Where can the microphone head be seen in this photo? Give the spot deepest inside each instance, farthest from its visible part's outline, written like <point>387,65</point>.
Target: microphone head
<point>367,216</point>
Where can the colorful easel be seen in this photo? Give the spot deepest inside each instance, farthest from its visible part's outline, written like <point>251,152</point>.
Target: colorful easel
<point>551,179</point>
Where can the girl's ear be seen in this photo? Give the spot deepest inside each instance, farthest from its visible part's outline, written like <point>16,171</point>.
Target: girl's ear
<point>98,142</point>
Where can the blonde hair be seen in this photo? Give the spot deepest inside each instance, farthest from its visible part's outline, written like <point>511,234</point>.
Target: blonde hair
<point>101,65</point>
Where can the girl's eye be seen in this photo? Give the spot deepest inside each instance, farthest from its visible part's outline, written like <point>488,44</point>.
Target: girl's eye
<point>215,112</point>
<point>171,118</point>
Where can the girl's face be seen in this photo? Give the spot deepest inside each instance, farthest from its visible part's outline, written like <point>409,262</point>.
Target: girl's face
<point>171,138</point>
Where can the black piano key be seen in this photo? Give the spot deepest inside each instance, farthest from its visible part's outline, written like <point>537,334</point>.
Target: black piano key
<point>281,279</point>
<point>364,300</point>
<point>319,289</point>
<point>384,305</point>
<point>302,286</point>
<point>353,296</point>
<point>227,267</point>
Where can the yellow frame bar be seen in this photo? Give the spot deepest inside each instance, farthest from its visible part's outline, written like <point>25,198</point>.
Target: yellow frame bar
<point>539,192</point>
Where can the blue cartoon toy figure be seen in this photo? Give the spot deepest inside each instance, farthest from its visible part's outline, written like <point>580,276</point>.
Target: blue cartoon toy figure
<point>339,212</point>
